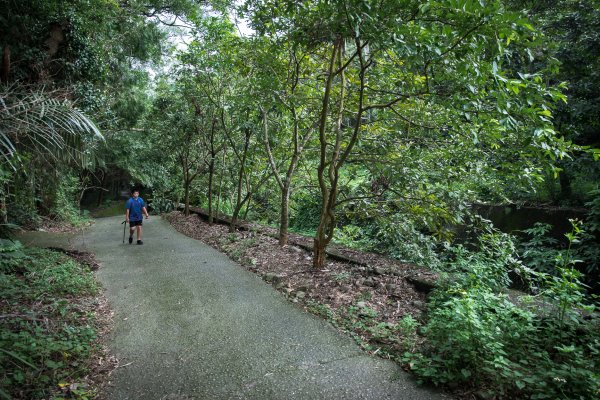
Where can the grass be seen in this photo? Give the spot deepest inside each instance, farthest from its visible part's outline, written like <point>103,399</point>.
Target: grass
<point>110,209</point>
<point>47,324</point>
<point>303,231</point>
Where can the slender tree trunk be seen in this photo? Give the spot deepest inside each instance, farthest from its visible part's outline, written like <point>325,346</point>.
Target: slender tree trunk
<point>328,183</point>
<point>101,195</point>
<point>245,216</point>
<point>236,212</point>
<point>186,197</point>
<point>5,69</point>
<point>211,171</point>
<point>234,219</point>
<point>220,184</point>
<point>566,191</point>
<point>320,239</point>
<point>325,230</point>
<point>239,202</point>
<point>284,221</point>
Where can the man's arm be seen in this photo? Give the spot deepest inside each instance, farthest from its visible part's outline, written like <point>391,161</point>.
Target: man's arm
<point>127,215</point>
<point>145,212</point>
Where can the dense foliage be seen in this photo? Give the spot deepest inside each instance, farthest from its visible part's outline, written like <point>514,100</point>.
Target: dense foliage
<point>543,346</point>
<point>376,124</point>
<point>64,65</point>
<point>47,329</point>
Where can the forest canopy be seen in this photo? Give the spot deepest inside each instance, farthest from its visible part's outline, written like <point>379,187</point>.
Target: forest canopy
<point>379,125</point>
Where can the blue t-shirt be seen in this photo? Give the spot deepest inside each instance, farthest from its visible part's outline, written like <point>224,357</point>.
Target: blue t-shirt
<point>135,208</point>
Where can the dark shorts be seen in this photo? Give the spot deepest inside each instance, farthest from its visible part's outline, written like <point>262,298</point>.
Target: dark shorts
<point>135,223</point>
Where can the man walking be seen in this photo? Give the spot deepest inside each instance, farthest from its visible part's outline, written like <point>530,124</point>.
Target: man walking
<point>134,209</point>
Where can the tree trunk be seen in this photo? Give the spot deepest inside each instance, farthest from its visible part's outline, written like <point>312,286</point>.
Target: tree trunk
<point>324,231</point>
<point>211,171</point>
<point>321,240</point>
<point>239,202</point>
<point>328,183</point>
<point>220,185</point>
<point>565,185</point>
<point>236,212</point>
<point>101,195</point>
<point>186,210</point>
<point>235,217</point>
<point>247,206</point>
<point>5,70</point>
<point>284,222</point>
<point>319,253</point>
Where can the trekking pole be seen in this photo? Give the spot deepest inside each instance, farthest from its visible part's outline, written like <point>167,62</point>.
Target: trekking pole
<point>124,223</point>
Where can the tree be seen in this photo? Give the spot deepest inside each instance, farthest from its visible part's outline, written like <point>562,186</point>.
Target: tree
<point>285,108</point>
<point>572,37</point>
<point>56,54</point>
<point>208,65</point>
<point>381,60</point>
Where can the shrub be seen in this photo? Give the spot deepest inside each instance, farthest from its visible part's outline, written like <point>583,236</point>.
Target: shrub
<point>47,335</point>
<point>545,347</point>
<point>161,205</point>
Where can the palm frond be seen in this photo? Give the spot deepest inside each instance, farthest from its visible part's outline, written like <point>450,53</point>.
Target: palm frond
<point>34,120</point>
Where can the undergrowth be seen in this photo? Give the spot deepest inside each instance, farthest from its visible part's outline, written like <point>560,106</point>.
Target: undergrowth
<point>47,332</point>
<point>546,347</point>
<point>481,343</point>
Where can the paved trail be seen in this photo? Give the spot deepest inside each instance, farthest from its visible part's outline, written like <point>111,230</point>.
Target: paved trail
<point>192,324</point>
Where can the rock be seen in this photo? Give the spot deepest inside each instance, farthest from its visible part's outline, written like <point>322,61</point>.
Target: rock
<point>421,283</point>
<point>300,295</point>
<point>369,282</point>
<point>391,287</point>
<point>302,288</point>
<point>279,285</point>
<point>484,394</point>
<point>361,304</point>
<point>359,282</point>
<point>419,304</point>
<point>273,278</point>
<point>345,288</point>
<point>379,271</point>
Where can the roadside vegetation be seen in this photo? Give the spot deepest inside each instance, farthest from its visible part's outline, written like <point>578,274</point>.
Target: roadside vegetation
<point>466,330</point>
<point>377,125</point>
<point>50,316</point>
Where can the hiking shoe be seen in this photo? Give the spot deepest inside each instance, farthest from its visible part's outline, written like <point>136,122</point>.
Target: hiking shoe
<point>130,239</point>
<point>140,242</point>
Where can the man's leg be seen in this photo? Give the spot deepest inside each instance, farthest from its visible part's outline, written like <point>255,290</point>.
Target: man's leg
<point>131,230</point>
<point>139,234</point>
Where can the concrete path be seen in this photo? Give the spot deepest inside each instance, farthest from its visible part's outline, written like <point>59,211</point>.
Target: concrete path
<point>192,324</point>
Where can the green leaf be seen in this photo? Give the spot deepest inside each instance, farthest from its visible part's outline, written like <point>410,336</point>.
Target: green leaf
<point>21,359</point>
